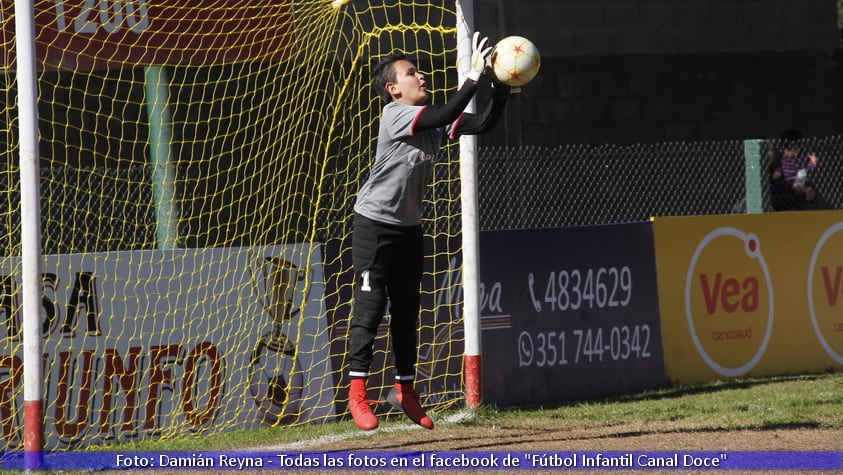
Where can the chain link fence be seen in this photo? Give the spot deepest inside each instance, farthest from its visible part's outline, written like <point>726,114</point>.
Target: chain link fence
<point>95,210</point>
<point>590,185</point>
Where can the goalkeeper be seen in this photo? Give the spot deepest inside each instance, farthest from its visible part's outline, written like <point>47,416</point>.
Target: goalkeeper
<point>387,242</point>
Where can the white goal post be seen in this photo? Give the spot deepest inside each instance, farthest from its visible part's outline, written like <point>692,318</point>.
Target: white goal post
<point>470,226</point>
<point>30,189</point>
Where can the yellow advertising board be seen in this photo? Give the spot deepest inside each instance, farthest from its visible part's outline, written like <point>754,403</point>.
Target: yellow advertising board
<point>750,295</point>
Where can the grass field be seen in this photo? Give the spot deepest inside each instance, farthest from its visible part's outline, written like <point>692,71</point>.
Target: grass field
<point>785,413</point>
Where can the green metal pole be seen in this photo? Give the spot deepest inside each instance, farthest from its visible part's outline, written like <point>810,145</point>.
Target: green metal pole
<point>752,158</point>
<point>160,135</point>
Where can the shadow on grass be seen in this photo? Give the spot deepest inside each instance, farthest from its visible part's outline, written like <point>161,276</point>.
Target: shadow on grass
<point>716,386</point>
<point>671,392</point>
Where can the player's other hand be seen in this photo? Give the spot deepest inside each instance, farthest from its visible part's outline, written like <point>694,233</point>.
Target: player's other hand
<point>479,56</point>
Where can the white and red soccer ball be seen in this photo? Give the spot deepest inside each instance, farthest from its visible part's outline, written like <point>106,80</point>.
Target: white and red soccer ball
<point>515,61</point>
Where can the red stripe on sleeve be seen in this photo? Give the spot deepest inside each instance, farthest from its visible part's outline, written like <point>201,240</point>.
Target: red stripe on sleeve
<point>413,125</point>
<point>455,125</point>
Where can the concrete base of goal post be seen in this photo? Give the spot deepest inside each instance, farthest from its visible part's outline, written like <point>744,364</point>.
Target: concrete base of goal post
<point>473,381</point>
<point>33,434</point>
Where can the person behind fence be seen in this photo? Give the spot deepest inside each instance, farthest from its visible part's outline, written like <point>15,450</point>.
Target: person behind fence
<point>387,239</point>
<point>782,196</point>
<point>798,168</point>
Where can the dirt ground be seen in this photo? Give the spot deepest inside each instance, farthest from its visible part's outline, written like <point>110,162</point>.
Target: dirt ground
<point>547,436</point>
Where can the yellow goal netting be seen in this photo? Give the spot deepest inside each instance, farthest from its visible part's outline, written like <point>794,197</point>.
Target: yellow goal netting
<point>198,164</point>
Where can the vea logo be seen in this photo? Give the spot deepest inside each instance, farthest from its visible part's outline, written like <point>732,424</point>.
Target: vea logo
<point>825,291</point>
<point>729,301</point>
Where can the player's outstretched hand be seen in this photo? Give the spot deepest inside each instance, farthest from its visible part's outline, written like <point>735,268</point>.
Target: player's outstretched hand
<point>479,54</point>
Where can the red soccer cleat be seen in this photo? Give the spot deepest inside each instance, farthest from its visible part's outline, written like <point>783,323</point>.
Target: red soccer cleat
<point>359,407</point>
<point>404,397</point>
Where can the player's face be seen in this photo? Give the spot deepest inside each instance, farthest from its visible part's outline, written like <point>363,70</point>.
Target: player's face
<point>409,86</point>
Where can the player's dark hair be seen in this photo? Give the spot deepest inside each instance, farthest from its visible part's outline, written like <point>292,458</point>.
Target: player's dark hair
<point>383,72</point>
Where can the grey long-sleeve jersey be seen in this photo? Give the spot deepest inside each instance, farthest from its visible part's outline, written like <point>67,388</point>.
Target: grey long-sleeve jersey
<point>394,191</point>
<point>409,139</point>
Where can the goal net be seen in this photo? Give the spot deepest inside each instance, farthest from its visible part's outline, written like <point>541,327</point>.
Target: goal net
<point>199,163</point>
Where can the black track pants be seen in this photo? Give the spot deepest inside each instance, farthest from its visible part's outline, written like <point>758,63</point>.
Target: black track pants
<point>388,262</point>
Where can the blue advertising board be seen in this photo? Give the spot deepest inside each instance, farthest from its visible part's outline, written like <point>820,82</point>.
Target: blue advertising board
<point>569,313</point>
